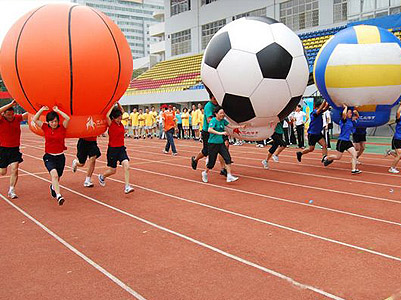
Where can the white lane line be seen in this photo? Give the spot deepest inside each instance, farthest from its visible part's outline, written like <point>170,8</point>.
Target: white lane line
<point>212,248</point>
<point>73,249</point>
<point>19,175</point>
<point>239,215</point>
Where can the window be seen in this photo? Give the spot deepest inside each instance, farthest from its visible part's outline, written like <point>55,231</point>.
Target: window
<point>208,31</point>
<point>205,2</point>
<point>181,42</point>
<point>179,6</point>
<point>339,10</point>
<point>254,13</point>
<point>300,14</point>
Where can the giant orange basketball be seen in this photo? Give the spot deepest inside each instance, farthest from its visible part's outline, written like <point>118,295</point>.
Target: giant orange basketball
<point>67,55</point>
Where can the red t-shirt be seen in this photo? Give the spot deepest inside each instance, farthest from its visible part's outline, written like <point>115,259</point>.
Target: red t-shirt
<point>10,132</point>
<point>91,139</point>
<point>116,134</point>
<point>169,121</point>
<point>54,139</point>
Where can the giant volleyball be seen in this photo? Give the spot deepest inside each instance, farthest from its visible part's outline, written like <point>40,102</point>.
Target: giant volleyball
<point>360,65</point>
<point>257,70</point>
<point>67,55</point>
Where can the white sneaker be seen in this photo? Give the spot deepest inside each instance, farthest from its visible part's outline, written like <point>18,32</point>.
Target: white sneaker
<point>74,165</point>
<point>275,158</point>
<point>175,153</point>
<point>231,178</point>
<point>101,180</point>
<point>204,177</point>
<point>265,164</point>
<point>165,152</point>
<point>12,195</point>
<point>88,184</point>
<point>128,189</point>
<point>393,170</point>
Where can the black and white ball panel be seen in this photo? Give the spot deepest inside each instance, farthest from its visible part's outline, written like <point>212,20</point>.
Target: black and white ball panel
<point>287,39</point>
<point>211,79</point>
<point>266,20</point>
<point>290,107</point>
<point>298,76</point>
<point>217,48</point>
<point>238,108</point>
<point>274,61</point>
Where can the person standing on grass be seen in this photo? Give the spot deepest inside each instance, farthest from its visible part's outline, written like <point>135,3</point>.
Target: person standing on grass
<point>347,124</point>
<point>54,157</point>
<point>396,144</point>
<point>86,149</point>
<point>10,139</point>
<point>169,125</point>
<point>298,118</point>
<point>359,138</point>
<point>217,145</point>
<point>277,147</point>
<point>116,151</point>
<point>315,130</point>
<point>207,116</point>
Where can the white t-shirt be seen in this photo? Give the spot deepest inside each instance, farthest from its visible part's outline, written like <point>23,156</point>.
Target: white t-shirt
<point>285,124</point>
<point>161,118</point>
<point>326,118</point>
<point>299,117</point>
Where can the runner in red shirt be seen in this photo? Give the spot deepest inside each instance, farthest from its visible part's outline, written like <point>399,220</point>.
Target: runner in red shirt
<point>116,151</point>
<point>54,157</point>
<point>86,148</point>
<point>169,124</point>
<point>10,135</point>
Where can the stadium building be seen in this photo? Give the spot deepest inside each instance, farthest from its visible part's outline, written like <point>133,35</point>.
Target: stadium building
<point>190,24</point>
<point>134,17</point>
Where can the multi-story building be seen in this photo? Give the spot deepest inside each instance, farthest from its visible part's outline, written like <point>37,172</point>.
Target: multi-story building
<point>133,17</point>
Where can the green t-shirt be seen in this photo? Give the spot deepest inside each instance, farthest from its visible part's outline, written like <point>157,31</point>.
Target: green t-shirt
<point>207,113</point>
<point>218,126</point>
<point>279,128</point>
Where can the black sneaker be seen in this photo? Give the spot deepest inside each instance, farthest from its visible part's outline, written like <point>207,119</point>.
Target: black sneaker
<point>60,200</point>
<point>299,156</point>
<point>324,158</point>
<point>223,172</point>
<point>356,171</point>
<point>326,162</point>
<point>52,192</point>
<point>194,163</point>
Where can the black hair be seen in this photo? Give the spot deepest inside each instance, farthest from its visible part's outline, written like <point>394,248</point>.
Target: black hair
<point>217,109</point>
<point>209,92</point>
<point>115,113</point>
<point>299,105</point>
<point>317,102</point>
<point>51,116</point>
<point>185,109</point>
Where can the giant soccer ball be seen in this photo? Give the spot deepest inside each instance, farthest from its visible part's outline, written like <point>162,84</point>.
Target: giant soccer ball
<point>257,70</point>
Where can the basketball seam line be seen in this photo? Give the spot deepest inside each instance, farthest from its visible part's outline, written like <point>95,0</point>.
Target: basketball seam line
<point>16,58</point>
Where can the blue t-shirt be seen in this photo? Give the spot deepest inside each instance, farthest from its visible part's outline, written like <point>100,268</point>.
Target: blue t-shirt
<point>347,127</point>
<point>207,113</point>
<point>397,134</point>
<point>316,123</point>
<point>218,126</point>
<point>179,120</point>
<point>360,130</point>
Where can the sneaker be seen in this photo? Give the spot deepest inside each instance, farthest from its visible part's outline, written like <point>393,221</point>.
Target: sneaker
<point>52,192</point>
<point>393,170</point>
<point>299,156</point>
<point>128,189</point>
<point>175,153</point>
<point>88,184</point>
<point>265,164</point>
<point>231,178</point>
<point>74,165</point>
<point>387,153</point>
<point>223,172</point>
<point>356,171</point>
<point>60,200</point>
<point>101,180</point>
<point>194,163</point>
<point>324,158</point>
<point>204,177</point>
<point>326,162</point>
<point>12,195</point>
<point>165,152</point>
<point>275,158</point>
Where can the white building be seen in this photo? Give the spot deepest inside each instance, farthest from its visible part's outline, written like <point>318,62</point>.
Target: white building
<point>133,17</point>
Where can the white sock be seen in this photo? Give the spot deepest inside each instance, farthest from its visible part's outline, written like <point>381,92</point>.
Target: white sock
<point>11,189</point>
<point>88,179</point>
<point>58,195</point>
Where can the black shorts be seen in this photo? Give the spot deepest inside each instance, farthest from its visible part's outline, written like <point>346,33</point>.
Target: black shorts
<point>396,144</point>
<point>116,154</point>
<point>54,162</point>
<point>205,139</point>
<point>314,138</point>
<point>214,150</point>
<point>343,145</point>
<point>359,137</point>
<point>87,149</point>
<point>9,155</point>
<point>277,141</point>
